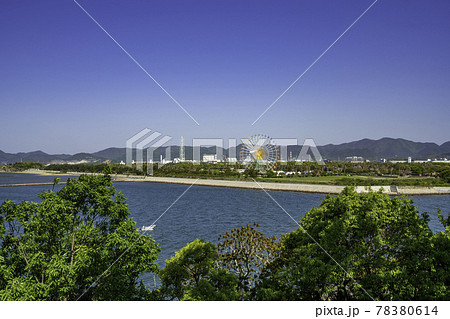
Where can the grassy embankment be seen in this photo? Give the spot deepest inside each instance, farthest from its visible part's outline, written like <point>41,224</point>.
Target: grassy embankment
<point>361,181</point>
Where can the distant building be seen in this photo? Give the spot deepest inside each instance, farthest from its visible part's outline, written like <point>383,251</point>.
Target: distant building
<point>210,158</point>
<point>305,158</point>
<point>440,160</point>
<point>354,159</point>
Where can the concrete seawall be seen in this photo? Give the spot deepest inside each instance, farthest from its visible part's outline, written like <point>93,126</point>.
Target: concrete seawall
<point>30,184</point>
<point>307,188</point>
<point>292,187</point>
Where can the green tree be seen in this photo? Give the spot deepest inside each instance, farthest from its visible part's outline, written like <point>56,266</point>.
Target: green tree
<point>384,246</point>
<point>191,275</point>
<point>244,252</point>
<point>441,258</point>
<point>78,242</point>
<point>107,170</point>
<point>251,172</point>
<point>445,175</point>
<point>55,182</point>
<point>218,286</point>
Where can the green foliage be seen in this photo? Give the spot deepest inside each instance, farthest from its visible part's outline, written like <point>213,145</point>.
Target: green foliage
<point>107,170</point>
<point>423,181</point>
<point>445,175</point>
<point>55,182</point>
<point>244,252</point>
<point>444,221</point>
<point>270,174</point>
<point>228,271</point>
<point>426,174</point>
<point>96,168</point>
<point>202,170</point>
<point>441,262</point>
<point>191,275</point>
<point>19,167</point>
<point>251,172</point>
<point>218,286</point>
<point>56,249</point>
<point>387,251</point>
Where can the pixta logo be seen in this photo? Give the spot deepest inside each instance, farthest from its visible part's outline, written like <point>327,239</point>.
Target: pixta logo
<point>145,139</point>
<point>257,152</point>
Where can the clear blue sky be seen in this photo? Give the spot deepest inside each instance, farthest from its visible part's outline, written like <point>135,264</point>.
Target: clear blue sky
<point>66,87</point>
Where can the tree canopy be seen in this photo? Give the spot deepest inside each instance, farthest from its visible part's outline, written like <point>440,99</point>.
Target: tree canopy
<point>359,246</point>
<point>78,242</point>
<point>244,252</point>
<point>192,275</point>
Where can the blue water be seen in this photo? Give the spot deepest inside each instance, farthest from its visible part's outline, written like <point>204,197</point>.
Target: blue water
<point>205,212</point>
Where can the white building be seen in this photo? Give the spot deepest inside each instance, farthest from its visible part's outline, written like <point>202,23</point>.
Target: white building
<point>354,159</point>
<point>209,158</point>
<point>440,160</point>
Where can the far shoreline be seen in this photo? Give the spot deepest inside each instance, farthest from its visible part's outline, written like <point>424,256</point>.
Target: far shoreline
<point>258,185</point>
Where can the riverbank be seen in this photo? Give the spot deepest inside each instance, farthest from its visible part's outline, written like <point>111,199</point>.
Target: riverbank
<point>285,187</point>
<point>29,184</point>
<point>291,187</point>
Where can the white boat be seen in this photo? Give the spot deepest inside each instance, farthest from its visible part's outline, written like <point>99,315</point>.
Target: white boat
<point>148,228</point>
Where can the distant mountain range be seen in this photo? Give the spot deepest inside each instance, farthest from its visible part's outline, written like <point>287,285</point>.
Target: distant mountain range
<point>388,148</point>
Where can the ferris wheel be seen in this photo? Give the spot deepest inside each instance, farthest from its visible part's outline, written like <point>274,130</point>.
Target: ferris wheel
<point>259,152</point>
